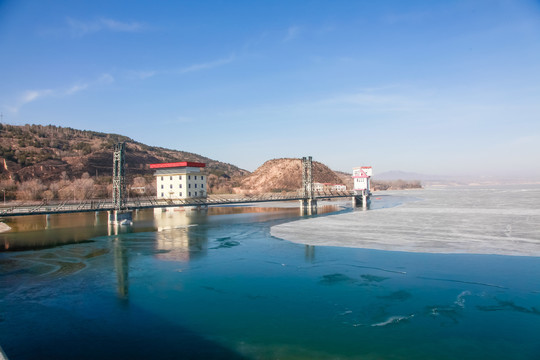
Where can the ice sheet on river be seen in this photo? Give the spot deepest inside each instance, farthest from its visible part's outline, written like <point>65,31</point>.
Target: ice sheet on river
<point>452,220</point>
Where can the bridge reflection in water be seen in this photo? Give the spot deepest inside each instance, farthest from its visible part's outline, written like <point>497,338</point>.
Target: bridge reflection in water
<point>179,236</point>
<point>183,236</point>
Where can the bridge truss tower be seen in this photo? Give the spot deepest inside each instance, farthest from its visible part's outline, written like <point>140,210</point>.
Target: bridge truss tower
<point>119,176</point>
<point>307,178</point>
<point>308,204</point>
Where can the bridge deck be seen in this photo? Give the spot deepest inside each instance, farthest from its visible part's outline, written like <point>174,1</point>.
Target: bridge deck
<point>46,208</point>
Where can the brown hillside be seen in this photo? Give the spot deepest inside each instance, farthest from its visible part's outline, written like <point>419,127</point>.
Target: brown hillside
<point>50,153</point>
<point>285,175</point>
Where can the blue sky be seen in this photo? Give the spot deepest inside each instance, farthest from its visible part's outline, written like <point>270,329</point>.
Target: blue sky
<point>435,87</point>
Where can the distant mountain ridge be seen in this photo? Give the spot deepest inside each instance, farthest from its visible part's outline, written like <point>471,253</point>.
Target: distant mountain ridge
<point>404,175</point>
<point>451,180</point>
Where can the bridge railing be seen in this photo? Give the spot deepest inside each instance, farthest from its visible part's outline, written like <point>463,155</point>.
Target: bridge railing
<point>50,207</point>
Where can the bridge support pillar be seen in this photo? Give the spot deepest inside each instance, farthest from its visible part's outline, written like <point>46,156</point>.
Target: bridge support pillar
<point>120,217</point>
<point>360,201</point>
<point>308,206</point>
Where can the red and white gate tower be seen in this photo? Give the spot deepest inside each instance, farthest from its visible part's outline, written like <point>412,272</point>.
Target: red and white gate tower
<point>362,178</point>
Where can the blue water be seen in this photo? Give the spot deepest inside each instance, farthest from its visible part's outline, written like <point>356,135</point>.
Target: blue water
<point>219,286</point>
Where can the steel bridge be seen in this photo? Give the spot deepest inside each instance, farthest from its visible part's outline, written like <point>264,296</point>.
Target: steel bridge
<point>64,207</point>
<point>120,207</point>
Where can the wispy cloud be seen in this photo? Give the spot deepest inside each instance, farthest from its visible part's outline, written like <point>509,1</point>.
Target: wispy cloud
<point>81,28</point>
<point>104,79</point>
<point>141,74</point>
<point>30,96</point>
<point>76,88</point>
<point>207,65</point>
<point>387,98</point>
<point>146,74</point>
<point>292,33</point>
<point>33,95</point>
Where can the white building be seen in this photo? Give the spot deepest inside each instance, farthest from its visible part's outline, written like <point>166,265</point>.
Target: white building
<point>339,187</point>
<point>318,187</point>
<point>328,187</point>
<point>362,178</point>
<point>180,180</point>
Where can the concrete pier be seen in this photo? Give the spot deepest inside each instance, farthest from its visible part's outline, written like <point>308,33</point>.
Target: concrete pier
<point>308,206</point>
<point>361,200</point>
<point>120,217</point>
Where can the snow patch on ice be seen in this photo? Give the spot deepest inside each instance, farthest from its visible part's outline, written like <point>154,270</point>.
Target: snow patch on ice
<point>447,221</point>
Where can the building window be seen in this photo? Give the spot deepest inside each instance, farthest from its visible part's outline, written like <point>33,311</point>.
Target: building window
<point>171,177</point>
<point>180,193</point>
<point>171,186</point>
<point>189,186</point>
<point>195,185</point>
<point>162,178</point>
<point>180,186</point>
<point>162,186</point>
<point>179,177</point>
<point>161,194</point>
<point>202,177</point>
<point>202,185</point>
<point>195,177</point>
<point>195,193</point>
<point>190,193</point>
<point>189,177</point>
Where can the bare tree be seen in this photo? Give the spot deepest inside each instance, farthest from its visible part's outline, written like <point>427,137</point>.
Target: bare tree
<point>63,189</point>
<point>83,188</point>
<point>139,181</point>
<point>47,195</point>
<point>30,190</point>
<point>8,188</point>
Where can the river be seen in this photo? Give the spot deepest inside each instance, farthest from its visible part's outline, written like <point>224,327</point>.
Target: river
<point>218,285</point>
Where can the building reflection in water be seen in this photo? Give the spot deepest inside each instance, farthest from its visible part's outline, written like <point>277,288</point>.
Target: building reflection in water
<point>181,235</point>
<point>178,238</point>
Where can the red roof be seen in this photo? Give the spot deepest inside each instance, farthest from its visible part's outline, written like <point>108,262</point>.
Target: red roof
<point>177,164</point>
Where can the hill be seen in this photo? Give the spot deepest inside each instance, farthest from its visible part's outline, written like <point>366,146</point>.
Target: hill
<point>285,175</point>
<point>51,153</point>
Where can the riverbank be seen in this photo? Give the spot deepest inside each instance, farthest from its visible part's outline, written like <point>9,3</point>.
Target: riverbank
<point>460,220</point>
